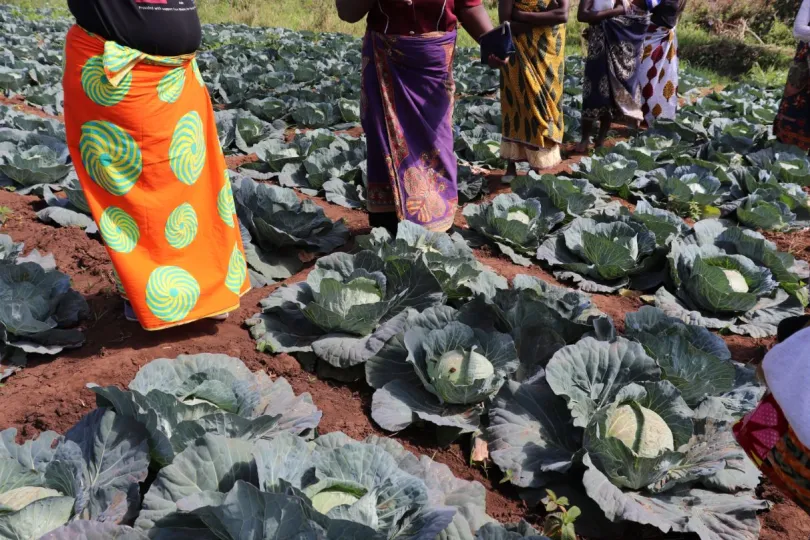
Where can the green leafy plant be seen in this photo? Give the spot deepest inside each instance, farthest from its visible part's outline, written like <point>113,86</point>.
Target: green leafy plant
<point>559,523</point>
<point>615,409</point>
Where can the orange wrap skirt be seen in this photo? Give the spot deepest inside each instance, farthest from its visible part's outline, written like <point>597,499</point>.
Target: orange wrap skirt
<point>143,139</point>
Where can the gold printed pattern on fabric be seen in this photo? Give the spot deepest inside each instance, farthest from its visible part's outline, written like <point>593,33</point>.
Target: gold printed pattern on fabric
<point>532,84</point>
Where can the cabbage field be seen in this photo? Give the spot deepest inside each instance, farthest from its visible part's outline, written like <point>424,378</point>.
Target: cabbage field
<point>593,332</point>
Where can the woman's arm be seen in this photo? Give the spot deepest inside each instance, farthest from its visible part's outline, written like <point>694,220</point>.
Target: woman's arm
<point>801,28</point>
<point>505,8</point>
<point>585,13</point>
<point>475,20</point>
<point>552,17</point>
<point>353,11</point>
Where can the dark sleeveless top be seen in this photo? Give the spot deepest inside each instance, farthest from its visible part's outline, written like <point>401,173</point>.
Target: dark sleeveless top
<point>159,27</point>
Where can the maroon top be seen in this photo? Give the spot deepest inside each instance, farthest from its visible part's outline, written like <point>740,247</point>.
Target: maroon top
<point>422,17</point>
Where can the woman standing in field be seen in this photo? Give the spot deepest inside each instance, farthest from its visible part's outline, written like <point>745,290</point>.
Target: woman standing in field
<point>407,105</point>
<point>610,87</point>
<point>532,83</point>
<point>776,435</point>
<point>142,135</point>
<point>659,61</point>
<point>792,124</point>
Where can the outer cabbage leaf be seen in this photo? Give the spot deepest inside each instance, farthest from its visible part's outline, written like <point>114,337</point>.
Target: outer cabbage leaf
<point>212,463</point>
<point>530,435</point>
<point>100,464</point>
<point>277,220</point>
<point>590,374</point>
<point>38,309</point>
<point>710,515</point>
<point>693,359</point>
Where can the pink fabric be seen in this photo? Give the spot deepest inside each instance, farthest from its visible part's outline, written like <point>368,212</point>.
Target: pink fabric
<point>761,429</point>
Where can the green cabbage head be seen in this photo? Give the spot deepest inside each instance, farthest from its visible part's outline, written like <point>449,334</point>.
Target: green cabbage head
<point>641,429</point>
<point>349,294</point>
<point>635,440</point>
<point>462,365</point>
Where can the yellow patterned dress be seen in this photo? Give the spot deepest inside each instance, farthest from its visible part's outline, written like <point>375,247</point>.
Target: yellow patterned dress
<point>531,94</point>
<point>142,135</point>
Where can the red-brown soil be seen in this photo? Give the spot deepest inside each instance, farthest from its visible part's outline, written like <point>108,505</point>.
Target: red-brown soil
<point>51,394</point>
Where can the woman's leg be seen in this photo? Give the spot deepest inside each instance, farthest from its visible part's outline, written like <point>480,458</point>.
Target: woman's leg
<point>587,131</point>
<point>605,122</point>
<point>386,220</point>
<point>511,168</point>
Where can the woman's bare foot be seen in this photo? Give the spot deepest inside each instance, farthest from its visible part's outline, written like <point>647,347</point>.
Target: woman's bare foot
<point>581,148</point>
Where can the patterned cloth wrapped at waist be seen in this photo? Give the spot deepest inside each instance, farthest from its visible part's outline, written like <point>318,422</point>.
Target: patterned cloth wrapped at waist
<point>142,134</point>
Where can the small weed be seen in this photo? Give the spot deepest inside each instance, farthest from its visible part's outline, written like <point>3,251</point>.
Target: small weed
<point>5,213</point>
<point>559,523</point>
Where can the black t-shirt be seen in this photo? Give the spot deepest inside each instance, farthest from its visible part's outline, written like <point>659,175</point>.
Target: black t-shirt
<point>666,14</point>
<point>159,27</point>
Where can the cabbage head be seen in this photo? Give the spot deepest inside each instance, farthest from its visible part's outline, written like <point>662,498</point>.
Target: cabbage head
<point>648,456</point>
<point>603,255</point>
<point>788,163</point>
<point>30,167</point>
<point>720,289</point>
<point>180,400</point>
<point>372,489</point>
<point>348,307</point>
<point>439,370</point>
<point>573,196</point>
<point>760,211</point>
<point>791,273</point>
<point>448,258</point>
<point>614,173</point>
<point>515,225</point>
<point>690,183</point>
<point>631,438</point>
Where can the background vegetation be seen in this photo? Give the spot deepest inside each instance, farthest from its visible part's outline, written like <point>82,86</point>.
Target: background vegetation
<point>727,38</point>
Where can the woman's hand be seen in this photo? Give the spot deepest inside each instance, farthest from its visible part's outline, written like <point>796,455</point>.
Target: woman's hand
<point>496,63</point>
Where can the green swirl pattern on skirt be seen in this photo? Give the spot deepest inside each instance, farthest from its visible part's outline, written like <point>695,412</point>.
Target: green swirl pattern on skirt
<point>98,88</point>
<point>119,230</point>
<point>187,151</point>
<point>225,204</point>
<point>182,226</point>
<point>171,85</point>
<point>171,293</point>
<point>237,271</point>
<point>111,156</point>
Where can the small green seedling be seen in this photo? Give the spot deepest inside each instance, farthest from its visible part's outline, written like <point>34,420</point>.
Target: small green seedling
<point>559,523</point>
